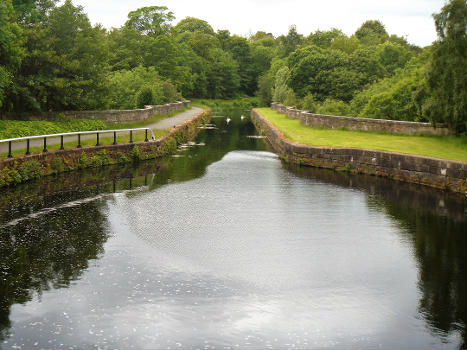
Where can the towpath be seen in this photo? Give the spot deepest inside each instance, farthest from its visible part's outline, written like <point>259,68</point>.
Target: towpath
<point>162,124</point>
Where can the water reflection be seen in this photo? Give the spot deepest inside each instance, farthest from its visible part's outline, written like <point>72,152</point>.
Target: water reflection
<point>224,247</point>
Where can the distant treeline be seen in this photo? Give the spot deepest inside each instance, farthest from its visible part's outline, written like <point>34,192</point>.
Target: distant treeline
<point>52,58</point>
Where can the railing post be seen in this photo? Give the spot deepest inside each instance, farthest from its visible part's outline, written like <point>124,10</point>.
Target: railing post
<point>61,142</point>
<point>131,136</point>
<point>9,150</point>
<point>79,141</point>
<point>115,138</point>
<point>45,145</point>
<point>27,147</point>
<point>97,144</point>
<point>146,137</point>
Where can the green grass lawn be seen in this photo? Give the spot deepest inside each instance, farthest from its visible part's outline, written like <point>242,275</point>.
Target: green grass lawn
<point>445,147</point>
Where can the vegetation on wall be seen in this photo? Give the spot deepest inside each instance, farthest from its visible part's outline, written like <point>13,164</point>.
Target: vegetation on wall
<point>52,58</point>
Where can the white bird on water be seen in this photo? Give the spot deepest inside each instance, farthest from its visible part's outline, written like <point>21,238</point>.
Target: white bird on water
<point>228,120</point>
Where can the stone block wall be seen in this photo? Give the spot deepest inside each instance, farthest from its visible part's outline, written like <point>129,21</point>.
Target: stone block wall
<point>439,173</point>
<point>111,116</point>
<point>361,124</point>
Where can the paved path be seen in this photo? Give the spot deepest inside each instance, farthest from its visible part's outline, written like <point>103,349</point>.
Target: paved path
<point>162,124</point>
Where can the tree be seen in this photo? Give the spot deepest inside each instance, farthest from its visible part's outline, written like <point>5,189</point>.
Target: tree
<point>192,24</point>
<point>372,33</point>
<point>447,71</point>
<point>11,52</point>
<point>152,20</point>
<point>392,56</point>
<point>290,42</point>
<point>264,93</point>
<point>325,38</point>
<point>66,63</point>
<point>280,85</point>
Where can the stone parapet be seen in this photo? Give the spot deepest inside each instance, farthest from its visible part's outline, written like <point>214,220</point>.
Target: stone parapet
<point>111,116</point>
<point>439,173</point>
<point>362,124</point>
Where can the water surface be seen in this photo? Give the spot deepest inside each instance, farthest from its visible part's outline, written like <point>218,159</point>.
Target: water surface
<point>223,246</point>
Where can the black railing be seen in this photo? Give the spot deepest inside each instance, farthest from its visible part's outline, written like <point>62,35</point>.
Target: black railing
<point>77,133</point>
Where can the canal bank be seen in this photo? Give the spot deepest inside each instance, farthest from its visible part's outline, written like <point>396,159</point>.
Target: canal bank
<point>28,167</point>
<point>439,173</point>
<point>197,250</point>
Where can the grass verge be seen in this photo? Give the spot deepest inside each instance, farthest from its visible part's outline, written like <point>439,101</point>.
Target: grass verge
<point>19,128</point>
<point>444,147</point>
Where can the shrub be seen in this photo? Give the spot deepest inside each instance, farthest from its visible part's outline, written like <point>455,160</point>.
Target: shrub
<point>135,154</point>
<point>144,97</point>
<point>56,165</point>
<point>28,170</point>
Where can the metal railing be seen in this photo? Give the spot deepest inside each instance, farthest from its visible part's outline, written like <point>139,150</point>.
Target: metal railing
<point>78,133</point>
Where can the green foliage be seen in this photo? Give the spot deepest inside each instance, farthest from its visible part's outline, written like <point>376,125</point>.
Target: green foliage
<point>56,165</point>
<point>280,85</point>
<point>290,99</point>
<point>264,93</point>
<point>83,161</point>
<point>16,128</point>
<point>30,169</point>
<point>393,56</point>
<point>101,158</point>
<point>151,20</point>
<point>334,107</point>
<point>135,154</point>
<point>447,71</point>
<point>309,103</point>
<point>372,32</point>
<point>11,52</point>
<point>192,24</point>
<point>144,97</point>
<point>394,97</point>
<point>125,85</point>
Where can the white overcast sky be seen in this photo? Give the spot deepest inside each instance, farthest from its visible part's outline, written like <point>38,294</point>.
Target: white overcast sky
<point>409,18</point>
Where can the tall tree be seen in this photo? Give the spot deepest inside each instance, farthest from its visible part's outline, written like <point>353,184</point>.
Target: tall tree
<point>11,52</point>
<point>447,72</point>
<point>151,20</point>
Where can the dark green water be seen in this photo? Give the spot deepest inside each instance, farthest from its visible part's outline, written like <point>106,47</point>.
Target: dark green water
<point>224,246</point>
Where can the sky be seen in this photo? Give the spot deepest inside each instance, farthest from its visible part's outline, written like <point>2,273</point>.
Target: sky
<point>411,19</point>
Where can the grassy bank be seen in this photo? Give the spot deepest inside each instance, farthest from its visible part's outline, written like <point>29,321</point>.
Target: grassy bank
<point>453,148</point>
<point>18,128</point>
<point>22,169</point>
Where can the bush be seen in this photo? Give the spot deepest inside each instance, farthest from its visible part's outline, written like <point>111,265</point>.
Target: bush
<point>309,103</point>
<point>334,107</point>
<point>135,154</point>
<point>144,97</point>
<point>30,169</point>
<point>56,165</point>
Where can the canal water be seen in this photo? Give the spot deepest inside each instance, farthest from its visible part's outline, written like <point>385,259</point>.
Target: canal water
<point>222,246</point>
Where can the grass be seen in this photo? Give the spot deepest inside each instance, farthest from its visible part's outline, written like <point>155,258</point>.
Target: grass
<point>18,128</point>
<point>444,147</point>
<point>103,140</point>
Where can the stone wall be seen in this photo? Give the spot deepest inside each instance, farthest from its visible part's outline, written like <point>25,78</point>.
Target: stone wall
<point>445,174</point>
<point>111,116</point>
<point>70,159</point>
<point>362,124</point>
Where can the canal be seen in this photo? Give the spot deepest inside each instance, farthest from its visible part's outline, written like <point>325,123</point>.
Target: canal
<point>222,246</point>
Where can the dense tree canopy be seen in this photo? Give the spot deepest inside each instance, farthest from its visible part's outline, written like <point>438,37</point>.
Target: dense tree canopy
<point>52,58</point>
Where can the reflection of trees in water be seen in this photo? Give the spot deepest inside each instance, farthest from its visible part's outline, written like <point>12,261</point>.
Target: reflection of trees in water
<point>48,251</point>
<point>440,250</point>
<point>434,221</point>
